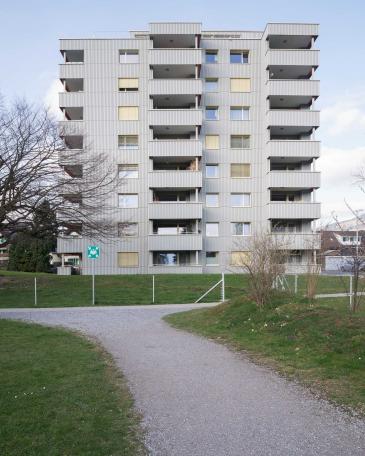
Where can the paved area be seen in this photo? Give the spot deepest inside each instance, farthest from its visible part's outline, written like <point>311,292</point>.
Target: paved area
<point>200,399</point>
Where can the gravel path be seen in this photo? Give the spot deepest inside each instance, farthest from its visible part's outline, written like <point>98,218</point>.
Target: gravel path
<point>200,399</point>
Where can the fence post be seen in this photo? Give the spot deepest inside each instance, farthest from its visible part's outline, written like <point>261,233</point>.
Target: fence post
<point>153,289</point>
<point>35,291</point>
<point>296,283</point>
<point>223,291</point>
<point>351,292</point>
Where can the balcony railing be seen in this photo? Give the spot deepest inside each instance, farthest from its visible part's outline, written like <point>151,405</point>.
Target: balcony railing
<point>297,241</point>
<point>293,148</point>
<point>175,148</point>
<point>175,56</point>
<point>175,179</point>
<point>293,87</point>
<point>294,210</point>
<point>160,242</point>
<point>175,86</point>
<point>174,210</point>
<point>300,57</point>
<point>175,117</point>
<point>293,117</point>
<point>294,179</point>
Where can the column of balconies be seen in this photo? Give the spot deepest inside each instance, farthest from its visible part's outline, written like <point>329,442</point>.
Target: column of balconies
<point>174,148</point>
<point>292,119</point>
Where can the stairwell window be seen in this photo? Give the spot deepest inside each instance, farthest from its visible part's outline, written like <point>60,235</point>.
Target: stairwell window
<point>212,229</point>
<point>211,171</point>
<point>128,200</point>
<point>128,84</point>
<point>239,170</point>
<point>211,85</point>
<point>241,228</point>
<point>128,112</point>
<point>211,113</point>
<point>240,199</point>
<point>238,57</point>
<point>127,171</point>
<point>211,56</point>
<point>239,113</point>
<point>240,141</point>
<point>128,56</point>
<point>212,200</point>
<point>240,85</point>
<point>128,141</point>
<point>128,259</point>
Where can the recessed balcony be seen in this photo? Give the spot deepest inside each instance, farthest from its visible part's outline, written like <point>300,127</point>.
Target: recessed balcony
<point>72,112</point>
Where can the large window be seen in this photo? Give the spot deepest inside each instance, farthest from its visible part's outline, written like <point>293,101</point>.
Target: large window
<point>211,56</point>
<point>128,141</point>
<point>239,57</point>
<point>211,85</point>
<point>212,142</point>
<point>127,229</point>
<point>211,259</point>
<point>128,112</point>
<point>240,141</point>
<point>240,170</point>
<point>239,113</point>
<point>240,85</point>
<point>240,228</point>
<point>240,199</point>
<point>128,200</point>
<point>128,171</point>
<point>211,113</point>
<point>128,259</point>
<point>211,171</point>
<point>128,84</point>
<point>128,56</point>
<point>212,229</point>
<point>211,200</point>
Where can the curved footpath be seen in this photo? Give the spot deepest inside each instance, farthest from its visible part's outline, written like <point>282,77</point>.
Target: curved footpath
<point>200,399</point>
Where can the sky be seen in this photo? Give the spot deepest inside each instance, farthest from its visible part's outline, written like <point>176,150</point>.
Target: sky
<point>30,30</point>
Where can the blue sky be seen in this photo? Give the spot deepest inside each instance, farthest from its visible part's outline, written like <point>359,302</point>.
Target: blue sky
<point>30,31</point>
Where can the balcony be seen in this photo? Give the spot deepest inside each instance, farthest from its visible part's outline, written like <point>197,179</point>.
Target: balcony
<point>294,210</point>
<point>71,127</point>
<point>287,30</point>
<point>70,99</point>
<point>74,71</point>
<point>175,56</point>
<point>293,148</point>
<point>294,179</point>
<point>175,86</point>
<point>293,87</point>
<point>293,117</point>
<point>175,148</point>
<point>174,210</point>
<point>297,241</point>
<point>290,57</point>
<point>178,117</point>
<point>175,179</point>
<point>175,242</point>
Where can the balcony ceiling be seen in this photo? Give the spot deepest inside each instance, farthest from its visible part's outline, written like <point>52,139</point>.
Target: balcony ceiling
<point>173,101</point>
<point>173,41</point>
<point>290,130</point>
<point>290,41</point>
<point>173,71</point>
<point>289,71</point>
<point>289,101</point>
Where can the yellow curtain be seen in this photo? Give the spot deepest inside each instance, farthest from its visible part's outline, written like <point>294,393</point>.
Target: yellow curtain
<point>239,258</point>
<point>128,112</point>
<point>240,170</point>
<point>127,259</point>
<point>212,141</point>
<point>128,83</point>
<point>240,85</point>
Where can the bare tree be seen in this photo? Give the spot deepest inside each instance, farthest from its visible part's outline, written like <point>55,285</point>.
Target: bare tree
<point>263,258</point>
<point>31,152</point>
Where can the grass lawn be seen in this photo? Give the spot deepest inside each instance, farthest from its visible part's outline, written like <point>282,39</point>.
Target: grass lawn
<point>17,289</point>
<point>61,395</point>
<point>320,344</point>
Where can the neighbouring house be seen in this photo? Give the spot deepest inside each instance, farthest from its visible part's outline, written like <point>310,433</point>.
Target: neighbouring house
<point>4,252</point>
<point>339,246</point>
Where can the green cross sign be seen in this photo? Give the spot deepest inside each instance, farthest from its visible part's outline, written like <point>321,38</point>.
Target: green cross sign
<point>93,252</point>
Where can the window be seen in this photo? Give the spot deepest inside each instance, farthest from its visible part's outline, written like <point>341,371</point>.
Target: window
<point>128,200</point>
<point>211,171</point>
<point>240,141</point>
<point>239,113</point>
<point>128,171</point>
<point>240,85</point>
<point>211,200</point>
<point>211,85</point>
<point>128,259</point>
<point>128,112</point>
<point>127,229</point>
<point>128,84</point>
<point>211,56</point>
<point>241,228</point>
<point>211,258</point>
<point>128,56</point>
<point>212,229</point>
<point>295,257</point>
<point>211,113</point>
<point>239,56</point>
<point>240,170</point>
<point>239,258</point>
<point>240,199</point>
<point>128,141</point>
<point>212,142</point>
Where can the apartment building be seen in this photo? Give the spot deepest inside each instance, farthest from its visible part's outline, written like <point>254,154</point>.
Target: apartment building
<point>213,134</point>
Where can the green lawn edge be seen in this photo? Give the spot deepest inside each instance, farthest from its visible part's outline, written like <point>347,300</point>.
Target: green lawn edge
<point>62,394</point>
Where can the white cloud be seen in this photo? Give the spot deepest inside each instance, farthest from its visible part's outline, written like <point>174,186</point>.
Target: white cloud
<point>51,98</point>
<point>340,166</point>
